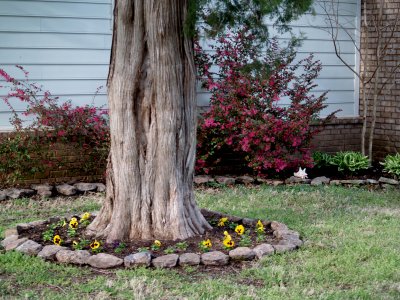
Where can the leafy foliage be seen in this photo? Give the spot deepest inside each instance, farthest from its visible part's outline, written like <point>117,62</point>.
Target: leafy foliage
<point>218,15</point>
<point>391,164</point>
<point>349,161</point>
<point>246,116</point>
<point>321,159</point>
<point>29,149</point>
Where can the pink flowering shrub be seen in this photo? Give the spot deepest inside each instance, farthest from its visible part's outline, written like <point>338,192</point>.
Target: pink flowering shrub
<point>246,114</point>
<point>33,147</point>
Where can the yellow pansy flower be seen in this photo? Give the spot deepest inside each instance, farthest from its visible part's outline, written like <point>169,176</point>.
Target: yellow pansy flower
<point>73,224</point>
<point>222,222</point>
<point>239,229</point>
<point>229,243</point>
<point>85,216</point>
<point>57,240</point>
<point>207,243</point>
<point>157,243</point>
<point>95,245</point>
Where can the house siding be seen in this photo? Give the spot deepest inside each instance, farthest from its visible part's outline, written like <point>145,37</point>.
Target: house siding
<point>65,45</point>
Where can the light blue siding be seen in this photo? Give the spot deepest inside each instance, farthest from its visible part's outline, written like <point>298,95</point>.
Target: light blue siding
<point>65,45</point>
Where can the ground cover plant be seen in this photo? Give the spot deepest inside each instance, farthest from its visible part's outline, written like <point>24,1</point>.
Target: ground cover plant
<point>351,251</point>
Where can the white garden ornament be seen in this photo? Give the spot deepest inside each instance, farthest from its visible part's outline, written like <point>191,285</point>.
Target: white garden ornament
<point>301,173</point>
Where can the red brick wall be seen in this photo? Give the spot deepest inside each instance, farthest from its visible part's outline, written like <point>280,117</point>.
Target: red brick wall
<point>339,135</point>
<point>387,131</point>
<point>69,171</point>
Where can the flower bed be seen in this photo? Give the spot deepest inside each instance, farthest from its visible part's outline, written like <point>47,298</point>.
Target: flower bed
<point>232,239</point>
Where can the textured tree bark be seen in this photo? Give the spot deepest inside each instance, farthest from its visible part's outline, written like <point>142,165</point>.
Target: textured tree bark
<point>151,90</point>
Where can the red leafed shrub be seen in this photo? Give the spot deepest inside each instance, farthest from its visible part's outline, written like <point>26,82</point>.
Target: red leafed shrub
<point>37,145</point>
<point>246,112</point>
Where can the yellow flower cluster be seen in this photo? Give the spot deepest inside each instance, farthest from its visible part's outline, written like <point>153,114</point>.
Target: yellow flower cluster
<point>260,227</point>
<point>228,242</point>
<point>222,222</point>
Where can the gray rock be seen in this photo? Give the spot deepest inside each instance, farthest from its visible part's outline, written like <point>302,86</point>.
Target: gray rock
<point>19,193</point>
<point>234,219</point>
<point>353,182</point>
<point>165,261</point>
<point>334,182</point>
<point>281,234</point>
<point>141,259</point>
<point>84,187</point>
<point>100,187</point>
<point>3,196</point>
<point>320,180</point>
<point>202,179</point>
<point>66,189</point>
<point>214,258</point>
<point>291,240</point>
<point>244,179</point>
<point>249,222</point>
<point>280,248</point>
<point>10,231</point>
<point>263,250</point>
<point>9,239</point>
<point>371,181</point>
<point>211,213</point>
<point>294,179</point>
<point>104,261</point>
<point>273,182</point>
<point>78,257</point>
<point>14,244</point>
<point>37,187</point>
<point>189,259</point>
<point>30,248</point>
<point>278,226</point>
<point>44,193</point>
<point>242,253</point>
<point>388,181</point>
<point>23,227</point>
<point>49,252</point>
<point>225,180</point>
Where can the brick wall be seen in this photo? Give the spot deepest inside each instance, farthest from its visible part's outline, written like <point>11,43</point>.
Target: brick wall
<point>339,135</point>
<point>387,131</point>
<point>73,167</point>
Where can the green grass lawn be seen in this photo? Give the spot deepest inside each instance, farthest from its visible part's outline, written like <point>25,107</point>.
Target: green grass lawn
<point>351,251</point>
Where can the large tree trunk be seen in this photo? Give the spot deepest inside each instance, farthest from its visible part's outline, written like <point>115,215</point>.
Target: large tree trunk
<point>152,121</point>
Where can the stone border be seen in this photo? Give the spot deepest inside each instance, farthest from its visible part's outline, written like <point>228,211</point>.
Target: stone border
<point>288,240</point>
<point>46,190</point>
<point>322,180</point>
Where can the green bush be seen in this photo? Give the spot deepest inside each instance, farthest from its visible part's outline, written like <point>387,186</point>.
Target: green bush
<point>391,164</point>
<point>349,161</point>
<point>322,159</point>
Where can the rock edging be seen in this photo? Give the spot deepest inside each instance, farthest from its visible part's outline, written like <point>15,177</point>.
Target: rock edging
<point>288,240</point>
<point>46,190</point>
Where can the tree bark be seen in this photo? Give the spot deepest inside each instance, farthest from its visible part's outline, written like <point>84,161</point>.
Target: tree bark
<point>152,103</point>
